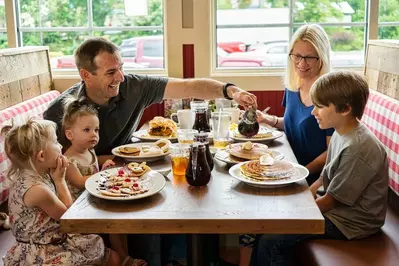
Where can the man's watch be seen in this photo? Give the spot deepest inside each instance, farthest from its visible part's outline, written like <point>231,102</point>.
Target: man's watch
<point>225,90</point>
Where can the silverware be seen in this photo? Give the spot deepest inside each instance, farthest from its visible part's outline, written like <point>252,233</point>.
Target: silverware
<point>266,110</point>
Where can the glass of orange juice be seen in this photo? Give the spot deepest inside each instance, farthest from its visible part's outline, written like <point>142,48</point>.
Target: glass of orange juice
<point>179,154</point>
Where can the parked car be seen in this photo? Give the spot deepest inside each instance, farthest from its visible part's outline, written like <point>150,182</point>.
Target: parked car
<point>232,47</point>
<point>68,61</point>
<point>225,59</point>
<point>275,54</point>
<point>146,50</point>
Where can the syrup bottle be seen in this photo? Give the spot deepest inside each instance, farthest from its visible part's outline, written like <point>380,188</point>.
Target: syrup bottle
<point>198,172</point>
<point>203,138</point>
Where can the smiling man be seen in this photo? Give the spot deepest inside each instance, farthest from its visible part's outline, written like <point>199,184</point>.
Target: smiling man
<point>121,99</point>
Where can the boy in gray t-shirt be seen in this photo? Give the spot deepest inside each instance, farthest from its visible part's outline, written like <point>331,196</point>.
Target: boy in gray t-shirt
<point>355,176</point>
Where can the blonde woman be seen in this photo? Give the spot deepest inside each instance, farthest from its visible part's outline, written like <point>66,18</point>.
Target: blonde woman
<point>309,58</point>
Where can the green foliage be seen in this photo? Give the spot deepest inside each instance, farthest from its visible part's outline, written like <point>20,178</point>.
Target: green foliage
<point>73,13</point>
<point>317,11</point>
<point>389,12</point>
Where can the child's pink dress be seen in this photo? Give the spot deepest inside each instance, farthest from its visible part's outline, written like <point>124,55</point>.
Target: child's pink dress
<point>39,240</point>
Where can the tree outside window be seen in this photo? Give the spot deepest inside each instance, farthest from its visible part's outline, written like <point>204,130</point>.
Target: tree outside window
<point>3,31</point>
<point>64,24</point>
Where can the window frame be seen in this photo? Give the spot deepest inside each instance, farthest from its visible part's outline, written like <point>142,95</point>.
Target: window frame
<point>202,35</point>
<point>90,29</point>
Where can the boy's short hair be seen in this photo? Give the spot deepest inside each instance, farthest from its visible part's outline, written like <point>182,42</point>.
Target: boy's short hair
<point>342,89</point>
<point>89,49</point>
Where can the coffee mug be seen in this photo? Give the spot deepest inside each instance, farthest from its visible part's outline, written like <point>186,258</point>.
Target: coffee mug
<point>184,117</point>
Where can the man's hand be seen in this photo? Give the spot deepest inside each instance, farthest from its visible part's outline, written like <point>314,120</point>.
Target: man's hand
<point>245,99</point>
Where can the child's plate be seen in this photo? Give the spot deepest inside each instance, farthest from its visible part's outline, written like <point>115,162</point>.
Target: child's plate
<point>138,158</point>
<point>152,180</point>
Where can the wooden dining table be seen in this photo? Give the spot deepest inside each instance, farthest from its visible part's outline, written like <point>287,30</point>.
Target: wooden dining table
<point>225,206</point>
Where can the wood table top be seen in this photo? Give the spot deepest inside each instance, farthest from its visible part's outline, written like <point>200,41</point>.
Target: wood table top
<point>224,206</point>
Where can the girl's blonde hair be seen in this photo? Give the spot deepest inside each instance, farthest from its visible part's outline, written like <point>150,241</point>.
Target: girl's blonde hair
<point>73,109</point>
<point>23,142</point>
<point>315,35</point>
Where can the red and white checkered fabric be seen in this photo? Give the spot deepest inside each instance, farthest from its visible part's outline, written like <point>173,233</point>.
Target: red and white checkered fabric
<point>382,118</point>
<point>20,113</point>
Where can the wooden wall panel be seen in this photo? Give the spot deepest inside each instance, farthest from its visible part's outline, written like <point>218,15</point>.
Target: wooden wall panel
<point>45,82</point>
<point>24,73</point>
<point>30,87</point>
<point>381,69</point>
<point>10,94</point>
<point>19,66</point>
<point>272,99</point>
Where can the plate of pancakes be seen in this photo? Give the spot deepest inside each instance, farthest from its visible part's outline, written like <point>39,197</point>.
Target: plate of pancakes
<point>143,152</point>
<point>242,152</point>
<point>264,135</point>
<point>277,174</point>
<point>134,181</point>
<point>145,136</point>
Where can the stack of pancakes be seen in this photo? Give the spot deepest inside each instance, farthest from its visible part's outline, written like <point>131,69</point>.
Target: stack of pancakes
<point>238,153</point>
<point>131,151</point>
<point>255,171</point>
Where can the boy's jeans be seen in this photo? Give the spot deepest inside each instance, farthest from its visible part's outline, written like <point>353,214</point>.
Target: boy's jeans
<point>278,250</point>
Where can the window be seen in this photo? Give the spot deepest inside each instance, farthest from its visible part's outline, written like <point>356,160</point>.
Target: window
<point>266,27</point>
<point>3,30</point>
<point>63,25</point>
<point>388,26</point>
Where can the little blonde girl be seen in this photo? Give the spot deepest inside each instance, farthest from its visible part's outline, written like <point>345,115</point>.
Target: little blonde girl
<point>38,198</point>
<point>81,134</point>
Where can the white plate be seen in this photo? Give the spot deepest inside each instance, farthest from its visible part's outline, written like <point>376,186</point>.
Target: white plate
<point>147,158</point>
<point>275,134</point>
<point>153,180</point>
<point>301,173</point>
<point>224,156</point>
<point>143,135</point>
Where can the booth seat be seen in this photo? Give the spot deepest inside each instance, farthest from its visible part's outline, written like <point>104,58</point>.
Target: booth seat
<point>381,116</point>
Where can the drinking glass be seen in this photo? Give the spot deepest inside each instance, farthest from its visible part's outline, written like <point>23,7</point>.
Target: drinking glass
<point>222,103</point>
<point>186,136</point>
<point>179,154</point>
<point>221,129</point>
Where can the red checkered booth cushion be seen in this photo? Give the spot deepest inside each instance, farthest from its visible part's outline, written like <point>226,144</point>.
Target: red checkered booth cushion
<point>20,113</point>
<point>382,118</point>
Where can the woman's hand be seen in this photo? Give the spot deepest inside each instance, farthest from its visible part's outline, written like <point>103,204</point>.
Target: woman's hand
<point>107,164</point>
<point>58,173</point>
<point>264,118</point>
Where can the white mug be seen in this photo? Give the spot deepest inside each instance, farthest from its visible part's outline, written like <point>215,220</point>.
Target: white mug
<point>234,112</point>
<point>185,118</point>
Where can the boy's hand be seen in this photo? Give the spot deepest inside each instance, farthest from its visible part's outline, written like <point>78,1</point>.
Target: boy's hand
<point>108,163</point>
<point>58,173</point>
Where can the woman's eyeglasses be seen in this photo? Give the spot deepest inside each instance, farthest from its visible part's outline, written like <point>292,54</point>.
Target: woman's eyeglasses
<point>308,59</point>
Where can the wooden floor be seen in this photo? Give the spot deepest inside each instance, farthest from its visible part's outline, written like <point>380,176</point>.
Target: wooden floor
<point>6,241</point>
